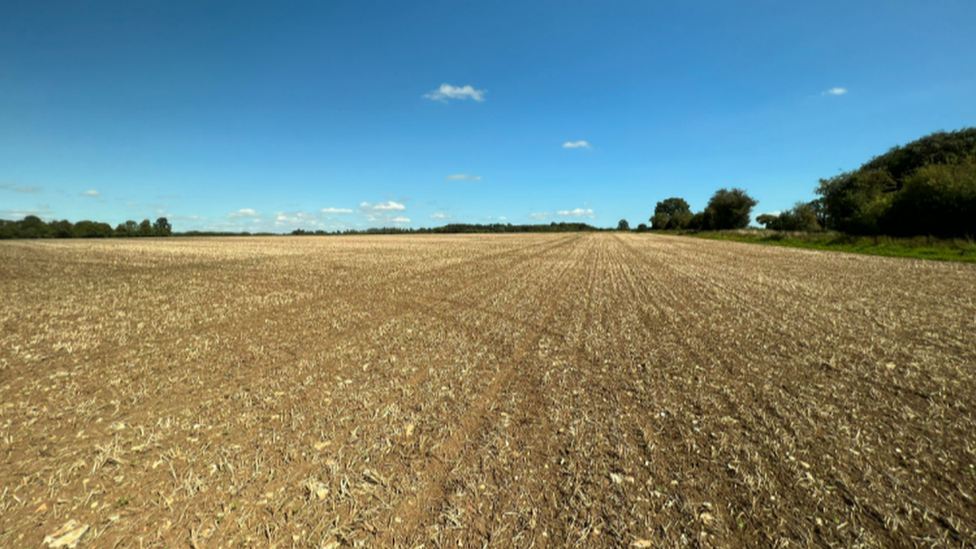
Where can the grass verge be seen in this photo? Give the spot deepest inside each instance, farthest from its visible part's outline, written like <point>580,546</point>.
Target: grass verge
<point>921,247</point>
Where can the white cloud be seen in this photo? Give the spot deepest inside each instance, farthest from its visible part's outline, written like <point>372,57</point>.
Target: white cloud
<point>834,91</point>
<point>576,145</point>
<point>17,215</point>
<point>382,206</point>
<point>400,219</point>
<point>25,190</point>
<point>502,218</point>
<point>299,219</point>
<point>336,211</point>
<point>91,193</point>
<point>243,212</point>
<point>578,212</point>
<point>463,177</point>
<point>439,215</point>
<point>447,91</point>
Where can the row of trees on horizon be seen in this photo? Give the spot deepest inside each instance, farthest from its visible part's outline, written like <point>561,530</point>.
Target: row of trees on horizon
<point>35,227</point>
<point>925,188</point>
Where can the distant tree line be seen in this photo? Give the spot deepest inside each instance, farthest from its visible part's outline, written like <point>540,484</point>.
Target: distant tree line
<point>727,209</point>
<point>34,227</point>
<point>927,187</point>
<point>459,228</point>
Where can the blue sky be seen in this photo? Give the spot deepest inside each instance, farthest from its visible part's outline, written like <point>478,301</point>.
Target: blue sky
<point>328,115</point>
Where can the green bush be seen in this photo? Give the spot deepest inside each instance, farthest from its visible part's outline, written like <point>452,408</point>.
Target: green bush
<point>802,217</point>
<point>938,200</point>
<point>853,202</point>
<point>923,188</point>
<point>671,214</point>
<point>728,209</point>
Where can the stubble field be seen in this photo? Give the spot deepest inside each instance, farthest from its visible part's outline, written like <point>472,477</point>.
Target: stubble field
<point>576,390</point>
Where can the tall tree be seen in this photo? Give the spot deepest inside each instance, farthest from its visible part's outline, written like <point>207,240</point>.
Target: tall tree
<point>162,227</point>
<point>729,209</point>
<point>671,213</point>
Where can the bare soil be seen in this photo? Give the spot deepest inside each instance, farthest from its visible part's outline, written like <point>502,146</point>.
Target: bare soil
<point>575,390</point>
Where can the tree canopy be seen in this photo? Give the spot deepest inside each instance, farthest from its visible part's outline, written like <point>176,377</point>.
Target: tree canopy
<point>922,188</point>
<point>671,213</point>
<point>729,209</point>
<point>34,227</point>
<point>802,217</point>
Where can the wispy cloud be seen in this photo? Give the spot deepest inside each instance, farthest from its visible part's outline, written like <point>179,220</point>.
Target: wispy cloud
<point>447,91</point>
<point>131,204</point>
<point>576,145</point>
<point>387,206</point>
<point>25,190</point>
<point>834,91</point>
<point>463,177</point>
<point>243,213</point>
<point>578,212</point>
<point>439,215</point>
<point>336,211</point>
<point>383,212</point>
<point>299,219</point>
<point>167,196</point>
<point>17,215</point>
<point>92,193</point>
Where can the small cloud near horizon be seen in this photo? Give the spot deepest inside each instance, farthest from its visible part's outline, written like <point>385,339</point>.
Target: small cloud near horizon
<point>92,193</point>
<point>243,213</point>
<point>439,215</point>
<point>577,145</point>
<point>20,214</point>
<point>578,212</point>
<point>834,91</point>
<point>447,91</point>
<point>463,177</point>
<point>382,206</point>
<point>335,211</point>
<point>400,219</point>
<point>16,189</point>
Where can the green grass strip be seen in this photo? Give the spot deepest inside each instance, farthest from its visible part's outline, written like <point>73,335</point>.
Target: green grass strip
<point>919,247</point>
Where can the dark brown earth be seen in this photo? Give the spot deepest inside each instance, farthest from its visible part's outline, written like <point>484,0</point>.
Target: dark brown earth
<point>577,390</point>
